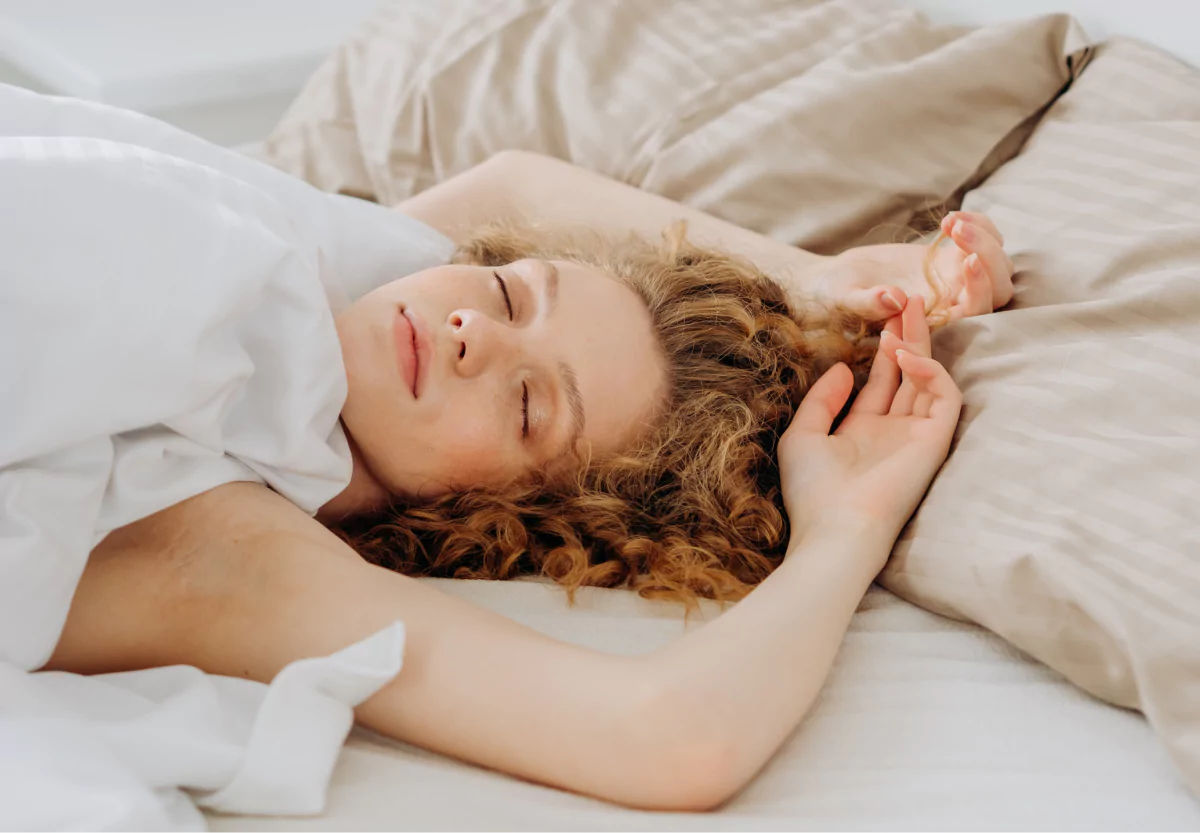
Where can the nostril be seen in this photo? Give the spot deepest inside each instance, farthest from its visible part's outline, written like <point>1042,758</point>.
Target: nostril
<point>462,350</point>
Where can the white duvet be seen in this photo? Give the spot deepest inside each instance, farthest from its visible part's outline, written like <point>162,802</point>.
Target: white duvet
<point>166,325</point>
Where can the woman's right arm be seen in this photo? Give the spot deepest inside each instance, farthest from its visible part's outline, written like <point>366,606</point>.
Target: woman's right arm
<point>238,581</point>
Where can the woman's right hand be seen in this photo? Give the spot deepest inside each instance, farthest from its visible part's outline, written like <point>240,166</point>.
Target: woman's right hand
<point>871,473</point>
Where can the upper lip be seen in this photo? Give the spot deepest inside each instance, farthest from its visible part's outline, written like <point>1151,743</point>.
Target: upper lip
<point>423,347</point>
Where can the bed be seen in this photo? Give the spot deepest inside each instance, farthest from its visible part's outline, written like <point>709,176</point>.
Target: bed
<point>928,721</point>
<point>925,724</point>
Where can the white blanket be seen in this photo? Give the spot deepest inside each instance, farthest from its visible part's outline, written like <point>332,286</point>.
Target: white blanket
<point>166,326</point>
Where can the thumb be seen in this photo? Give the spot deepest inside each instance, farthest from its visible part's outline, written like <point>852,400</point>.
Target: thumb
<point>875,303</point>
<point>824,401</point>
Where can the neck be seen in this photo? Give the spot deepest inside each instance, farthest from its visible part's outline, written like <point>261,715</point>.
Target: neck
<point>364,494</point>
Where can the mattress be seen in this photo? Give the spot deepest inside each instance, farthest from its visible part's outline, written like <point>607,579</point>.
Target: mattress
<point>926,723</point>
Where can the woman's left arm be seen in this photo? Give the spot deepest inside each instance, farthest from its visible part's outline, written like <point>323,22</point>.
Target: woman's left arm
<point>529,187</point>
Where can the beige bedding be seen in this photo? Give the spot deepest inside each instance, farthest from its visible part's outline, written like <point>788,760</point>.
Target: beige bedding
<point>1067,518</point>
<point>820,123</point>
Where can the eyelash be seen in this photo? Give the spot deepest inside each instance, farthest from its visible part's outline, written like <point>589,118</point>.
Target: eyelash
<point>524,411</point>
<point>524,386</point>
<point>504,289</point>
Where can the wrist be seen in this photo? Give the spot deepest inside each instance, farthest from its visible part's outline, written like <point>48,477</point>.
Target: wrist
<point>865,534</point>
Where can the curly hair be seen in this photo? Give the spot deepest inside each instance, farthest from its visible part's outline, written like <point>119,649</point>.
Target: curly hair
<point>693,509</point>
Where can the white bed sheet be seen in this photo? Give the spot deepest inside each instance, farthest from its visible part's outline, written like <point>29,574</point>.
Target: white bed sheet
<point>926,723</point>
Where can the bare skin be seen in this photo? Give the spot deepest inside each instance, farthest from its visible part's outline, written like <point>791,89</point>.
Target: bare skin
<point>238,581</point>
<point>513,367</point>
<point>538,189</point>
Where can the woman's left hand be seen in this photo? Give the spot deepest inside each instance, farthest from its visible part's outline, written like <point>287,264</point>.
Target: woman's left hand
<point>876,281</point>
<point>976,265</point>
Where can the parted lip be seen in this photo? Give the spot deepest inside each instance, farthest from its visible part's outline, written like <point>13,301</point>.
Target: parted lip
<point>407,355</point>
<point>414,349</point>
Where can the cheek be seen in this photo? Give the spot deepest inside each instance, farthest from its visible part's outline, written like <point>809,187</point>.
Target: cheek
<point>470,450</point>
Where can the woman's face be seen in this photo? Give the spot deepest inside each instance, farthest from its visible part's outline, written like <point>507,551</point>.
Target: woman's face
<point>463,376</point>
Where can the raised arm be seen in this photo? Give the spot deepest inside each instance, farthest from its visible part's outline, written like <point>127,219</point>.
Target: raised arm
<point>534,188</point>
<point>238,581</point>
<point>539,189</point>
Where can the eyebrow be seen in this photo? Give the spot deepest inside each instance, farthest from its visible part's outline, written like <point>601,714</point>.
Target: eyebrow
<point>551,285</point>
<point>574,400</point>
<point>570,382</point>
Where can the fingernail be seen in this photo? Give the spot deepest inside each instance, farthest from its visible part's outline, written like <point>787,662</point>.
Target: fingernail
<point>973,264</point>
<point>961,230</point>
<point>890,301</point>
<point>900,353</point>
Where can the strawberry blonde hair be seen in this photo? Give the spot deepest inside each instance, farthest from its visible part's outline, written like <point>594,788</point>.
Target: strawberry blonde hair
<point>693,508</point>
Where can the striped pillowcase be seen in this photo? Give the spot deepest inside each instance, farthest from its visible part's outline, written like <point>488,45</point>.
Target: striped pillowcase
<point>1067,518</point>
<point>825,124</point>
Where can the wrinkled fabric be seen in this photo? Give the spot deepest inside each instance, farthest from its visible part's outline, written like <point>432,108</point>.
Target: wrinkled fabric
<point>821,123</point>
<point>166,326</point>
<point>1065,519</point>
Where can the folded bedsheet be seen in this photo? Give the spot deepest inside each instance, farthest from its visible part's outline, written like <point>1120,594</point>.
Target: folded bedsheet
<point>926,723</point>
<point>824,124</point>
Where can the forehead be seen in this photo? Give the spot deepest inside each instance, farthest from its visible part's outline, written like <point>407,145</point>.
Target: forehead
<point>604,333</point>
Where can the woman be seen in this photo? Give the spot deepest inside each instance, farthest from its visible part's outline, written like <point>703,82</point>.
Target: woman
<point>683,728</point>
<point>719,356</point>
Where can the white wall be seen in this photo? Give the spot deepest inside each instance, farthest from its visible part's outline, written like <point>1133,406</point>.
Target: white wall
<point>1173,25</point>
<point>225,69</point>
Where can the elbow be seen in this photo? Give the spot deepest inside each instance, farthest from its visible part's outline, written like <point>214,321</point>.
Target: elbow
<point>690,761</point>
<point>700,781</point>
<point>520,167</point>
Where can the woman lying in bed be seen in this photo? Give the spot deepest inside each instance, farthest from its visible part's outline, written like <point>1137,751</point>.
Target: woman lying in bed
<point>602,414</point>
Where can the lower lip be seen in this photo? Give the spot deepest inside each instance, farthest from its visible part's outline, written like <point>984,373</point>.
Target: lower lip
<point>406,354</point>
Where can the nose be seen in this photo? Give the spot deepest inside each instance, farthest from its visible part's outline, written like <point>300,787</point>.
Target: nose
<point>479,341</point>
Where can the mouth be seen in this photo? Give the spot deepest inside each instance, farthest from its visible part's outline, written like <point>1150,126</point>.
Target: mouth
<point>408,356</point>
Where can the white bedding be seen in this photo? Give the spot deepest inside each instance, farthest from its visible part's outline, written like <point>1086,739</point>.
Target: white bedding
<point>926,723</point>
<point>165,327</point>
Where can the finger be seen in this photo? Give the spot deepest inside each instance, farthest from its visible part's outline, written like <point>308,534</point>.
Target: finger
<point>973,240</point>
<point>905,401</point>
<point>884,379</point>
<point>931,380</point>
<point>906,394</point>
<point>1000,266</point>
<point>891,345</point>
<point>823,402</point>
<point>915,327</point>
<point>976,297</point>
<point>978,218</point>
<point>876,303</point>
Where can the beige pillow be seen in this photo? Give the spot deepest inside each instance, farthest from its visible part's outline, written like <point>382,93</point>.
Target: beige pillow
<point>822,124</point>
<point>1067,518</point>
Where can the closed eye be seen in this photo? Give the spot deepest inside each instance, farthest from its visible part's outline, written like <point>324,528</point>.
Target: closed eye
<point>504,288</point>
<point>524,410</point>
